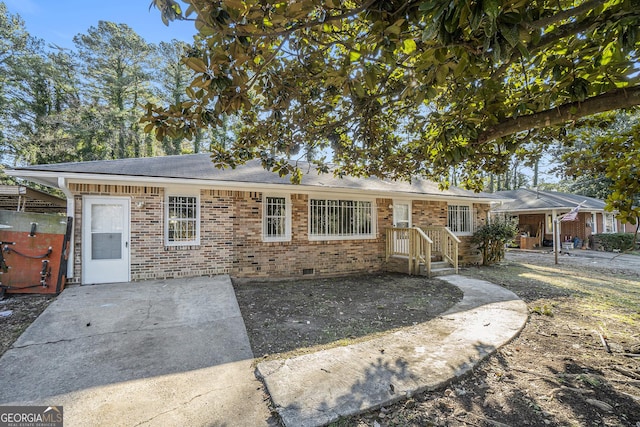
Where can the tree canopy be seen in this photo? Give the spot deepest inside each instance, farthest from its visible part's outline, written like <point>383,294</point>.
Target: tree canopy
<point>401,88</point>
<point>85,103</point>
<point>605,151</point>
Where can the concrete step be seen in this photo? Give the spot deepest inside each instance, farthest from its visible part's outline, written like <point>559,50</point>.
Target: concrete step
<point>440,264</point>
<point>440,268</point>
<point>435,272</point>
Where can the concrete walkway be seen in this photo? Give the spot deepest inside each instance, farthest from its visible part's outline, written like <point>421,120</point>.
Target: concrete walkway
<point>316,389</point>
<point>159,353</point>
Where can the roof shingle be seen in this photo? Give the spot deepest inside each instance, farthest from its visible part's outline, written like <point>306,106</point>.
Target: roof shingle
<point>200,167</point>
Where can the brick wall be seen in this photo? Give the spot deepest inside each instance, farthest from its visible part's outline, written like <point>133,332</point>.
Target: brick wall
<point>231,237</point>
<point>425,213</point>
<point>299,257</point>
<point>150,258</point>
<point>468,252</point>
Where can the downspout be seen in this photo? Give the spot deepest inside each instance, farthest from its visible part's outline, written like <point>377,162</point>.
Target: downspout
<point>71,206</point>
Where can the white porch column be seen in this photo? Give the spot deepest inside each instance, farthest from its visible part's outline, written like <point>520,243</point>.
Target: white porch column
<point>556,233</point>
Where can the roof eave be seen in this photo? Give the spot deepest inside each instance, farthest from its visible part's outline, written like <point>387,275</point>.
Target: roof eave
<point>50,178</point>
<point>544,210</point>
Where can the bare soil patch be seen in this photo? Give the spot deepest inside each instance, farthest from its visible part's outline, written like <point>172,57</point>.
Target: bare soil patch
<point>575,363</point>
<point>285,318</point>
<point>24,309</point>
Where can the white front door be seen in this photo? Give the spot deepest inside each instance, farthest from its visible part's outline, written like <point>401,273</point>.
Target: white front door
<point>105,240</point>
<point>402,214</point>
<point>401,219</point>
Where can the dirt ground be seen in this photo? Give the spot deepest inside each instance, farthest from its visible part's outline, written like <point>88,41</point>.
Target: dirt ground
<point>311,314</point>
<point>19,311</point>
<point>575,363</point>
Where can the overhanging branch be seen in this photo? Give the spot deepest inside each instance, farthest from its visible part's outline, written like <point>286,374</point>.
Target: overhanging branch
<point>566,14</point>
<point>613,100</point>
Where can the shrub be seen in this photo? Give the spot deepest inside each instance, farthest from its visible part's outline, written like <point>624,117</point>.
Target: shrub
<point>492,238</point>
<point>613,241</point>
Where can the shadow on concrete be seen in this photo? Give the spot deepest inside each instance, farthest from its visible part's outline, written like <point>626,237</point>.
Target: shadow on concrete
<point>319,388</point>
<point>137,347</point>
<point>381,383</point>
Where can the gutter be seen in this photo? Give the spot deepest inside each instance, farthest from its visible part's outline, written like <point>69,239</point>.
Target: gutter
<point>546,210</point>
<point>47,178</point>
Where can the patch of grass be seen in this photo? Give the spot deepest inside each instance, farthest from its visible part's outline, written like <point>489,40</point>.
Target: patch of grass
<point>544,310</point>
<point>606,297</point>
<point>590,380</point>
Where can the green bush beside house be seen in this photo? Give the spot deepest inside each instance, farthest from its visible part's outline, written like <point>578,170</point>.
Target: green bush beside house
<point>492,239</point>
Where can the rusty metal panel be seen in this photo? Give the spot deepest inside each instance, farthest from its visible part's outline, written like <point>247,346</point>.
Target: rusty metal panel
<point>34,251</point>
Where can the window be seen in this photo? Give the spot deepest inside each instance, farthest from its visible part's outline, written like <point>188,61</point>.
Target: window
<point>459,219</point>
<point>182,225</point>
<point>609,223</point>
<point>336,219</point>
<point>276,224</point>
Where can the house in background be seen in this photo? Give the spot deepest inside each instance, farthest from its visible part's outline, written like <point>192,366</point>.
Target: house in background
<point>180,216</point>
<point>23,199</point>
<point>536,210</point>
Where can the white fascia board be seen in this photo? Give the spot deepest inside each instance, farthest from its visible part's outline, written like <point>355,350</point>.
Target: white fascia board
<point>544,211</point>
<point>51,179</point>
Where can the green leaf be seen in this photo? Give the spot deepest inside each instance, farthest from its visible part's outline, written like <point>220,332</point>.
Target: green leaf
<point>427,6</point>
<point>358,89</point>
<point>607,53</point>
<point>491,8</point>
<point>476,17</point>
<point>510,34</point>
<point>430,32</point>
<point>409,46</point>
<point>441,74</point>
<point>371,79</point>
<point>394,29</point>
<point>354,56</point>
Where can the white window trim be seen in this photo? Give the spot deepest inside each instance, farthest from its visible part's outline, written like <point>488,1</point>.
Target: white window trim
<point>181,193</point>
<point>471,218</point>
<point>287,236</point>
<point>327,237</point>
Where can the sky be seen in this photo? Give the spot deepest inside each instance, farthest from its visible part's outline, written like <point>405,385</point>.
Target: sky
<point>58,21</point>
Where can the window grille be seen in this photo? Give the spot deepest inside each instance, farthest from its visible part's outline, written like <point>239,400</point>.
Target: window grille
<point>341,218</point>
<point>276,222</point>
<point>182,220</point>
<point>459,219</point>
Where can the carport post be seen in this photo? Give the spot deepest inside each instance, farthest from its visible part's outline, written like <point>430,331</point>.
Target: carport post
<point>556,237</point>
